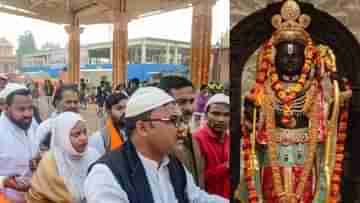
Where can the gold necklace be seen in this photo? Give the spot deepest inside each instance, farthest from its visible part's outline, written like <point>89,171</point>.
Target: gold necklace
<point>272,147</point>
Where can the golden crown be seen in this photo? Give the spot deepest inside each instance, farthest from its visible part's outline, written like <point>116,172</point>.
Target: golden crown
<point>290,24</point>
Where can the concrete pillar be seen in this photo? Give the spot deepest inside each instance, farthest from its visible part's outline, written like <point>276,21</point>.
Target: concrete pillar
<point>168,55</point>
<point>120,44</point>
<point>201,42</point>
<point>111,54</point>
<point>74,31</point>
<point>176,55</point>
<point>143,53</point>
<point>136,54</point>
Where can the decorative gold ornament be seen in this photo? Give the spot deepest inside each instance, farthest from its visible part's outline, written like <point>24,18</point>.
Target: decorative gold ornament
<point>290,24</point>
<point>279,187</point>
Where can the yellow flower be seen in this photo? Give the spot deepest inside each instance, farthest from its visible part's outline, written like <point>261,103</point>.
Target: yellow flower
<point>281,94</point>
<point>306,67</point>
<point>274,77</point>
<point>286,109</point>
<point>297,87</point>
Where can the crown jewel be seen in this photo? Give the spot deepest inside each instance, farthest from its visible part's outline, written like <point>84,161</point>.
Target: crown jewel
<point>290,24</point>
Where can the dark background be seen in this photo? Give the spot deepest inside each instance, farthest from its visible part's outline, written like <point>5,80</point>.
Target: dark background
<point>250,33</point>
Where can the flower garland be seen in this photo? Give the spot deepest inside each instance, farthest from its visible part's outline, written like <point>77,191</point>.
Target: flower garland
<point>272,150</point>
<point>249,176</point>
<point>266,69</point>
<point>340,147</point>
<point>287,95</point>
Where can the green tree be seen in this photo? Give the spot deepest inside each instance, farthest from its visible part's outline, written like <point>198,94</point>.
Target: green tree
<point>26,45</point>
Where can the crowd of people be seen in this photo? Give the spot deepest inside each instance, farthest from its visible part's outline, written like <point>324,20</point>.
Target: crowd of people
<point>161,143</point>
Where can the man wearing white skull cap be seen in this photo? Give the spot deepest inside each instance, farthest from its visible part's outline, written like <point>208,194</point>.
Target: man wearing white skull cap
<point>214,143</point>
<point>18,143</point>
<point>4,92</point>
<point>143,170</point>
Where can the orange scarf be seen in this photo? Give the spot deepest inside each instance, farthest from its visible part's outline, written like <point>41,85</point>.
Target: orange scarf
<point>3,199</point>
<point>116,138</point>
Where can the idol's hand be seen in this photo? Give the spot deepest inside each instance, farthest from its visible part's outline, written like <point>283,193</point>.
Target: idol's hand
<point>10,182</point>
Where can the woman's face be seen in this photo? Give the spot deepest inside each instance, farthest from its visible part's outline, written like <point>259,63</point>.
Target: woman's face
<point>78,137</point>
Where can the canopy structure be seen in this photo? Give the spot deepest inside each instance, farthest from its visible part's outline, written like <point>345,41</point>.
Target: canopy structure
<point>89,11</point>
<point>73,13</point>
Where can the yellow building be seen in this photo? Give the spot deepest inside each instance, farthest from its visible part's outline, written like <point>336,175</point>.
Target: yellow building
<point>7,57</point>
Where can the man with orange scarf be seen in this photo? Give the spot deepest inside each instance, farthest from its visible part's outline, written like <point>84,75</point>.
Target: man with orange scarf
<point>112,135</point>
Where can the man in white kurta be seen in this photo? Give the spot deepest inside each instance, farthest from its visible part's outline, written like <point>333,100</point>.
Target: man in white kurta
<point>153,137</point>
<point>18,145</point>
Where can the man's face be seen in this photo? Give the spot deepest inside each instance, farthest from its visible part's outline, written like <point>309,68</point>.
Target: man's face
<point>78,137</point>
<point>185,98</point>
<point>162,130</point>
<point>218,116</point>
<point>3,83</point>
<point>117,112</point>
<point>20,112</point>
<point>69,102</point>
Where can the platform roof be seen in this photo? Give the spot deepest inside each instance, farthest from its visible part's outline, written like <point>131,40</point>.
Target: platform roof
<point>89,11</point>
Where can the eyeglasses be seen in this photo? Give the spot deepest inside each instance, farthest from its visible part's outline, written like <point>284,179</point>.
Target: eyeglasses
<point>177,121</point>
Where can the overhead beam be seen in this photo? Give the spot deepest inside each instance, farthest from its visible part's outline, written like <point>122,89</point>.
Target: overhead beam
<point>85,7</point>
<point>19,13</point>
<point>35,3</point>
<point>106,3</point>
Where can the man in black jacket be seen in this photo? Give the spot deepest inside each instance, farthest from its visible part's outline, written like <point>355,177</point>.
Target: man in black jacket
<point>142,170</point>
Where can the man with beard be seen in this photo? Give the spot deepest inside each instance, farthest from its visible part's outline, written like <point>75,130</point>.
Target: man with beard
<point>214,143</point>
<point>66,98</point>
<point>18,145</point>
<point>186,149</point>
<point>112,135</point>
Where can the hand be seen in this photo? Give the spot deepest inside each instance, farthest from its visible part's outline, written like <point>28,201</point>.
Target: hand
<point>34,163</point>
<point>10,182</point>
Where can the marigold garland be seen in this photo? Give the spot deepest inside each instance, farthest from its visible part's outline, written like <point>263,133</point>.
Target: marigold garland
<point>287,95</point>
<point>266,69</point>
<point>253,197</point>
<point>340,148</point>
<point>272,152</point>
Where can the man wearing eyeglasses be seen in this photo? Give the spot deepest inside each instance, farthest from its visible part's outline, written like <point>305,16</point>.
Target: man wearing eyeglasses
<point>186,149</point>
<point>143,169</point>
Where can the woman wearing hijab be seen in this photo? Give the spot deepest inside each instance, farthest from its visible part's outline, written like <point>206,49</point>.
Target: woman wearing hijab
<point>61,173</point>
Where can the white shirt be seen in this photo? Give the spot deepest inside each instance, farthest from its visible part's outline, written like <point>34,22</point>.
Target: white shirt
<point>102,187</point>
<point>97,142</point>
<point>17,148</point>
<point>43,129</point>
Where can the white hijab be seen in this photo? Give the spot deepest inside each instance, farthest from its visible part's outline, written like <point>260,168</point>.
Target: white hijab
<point>71,165</point>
